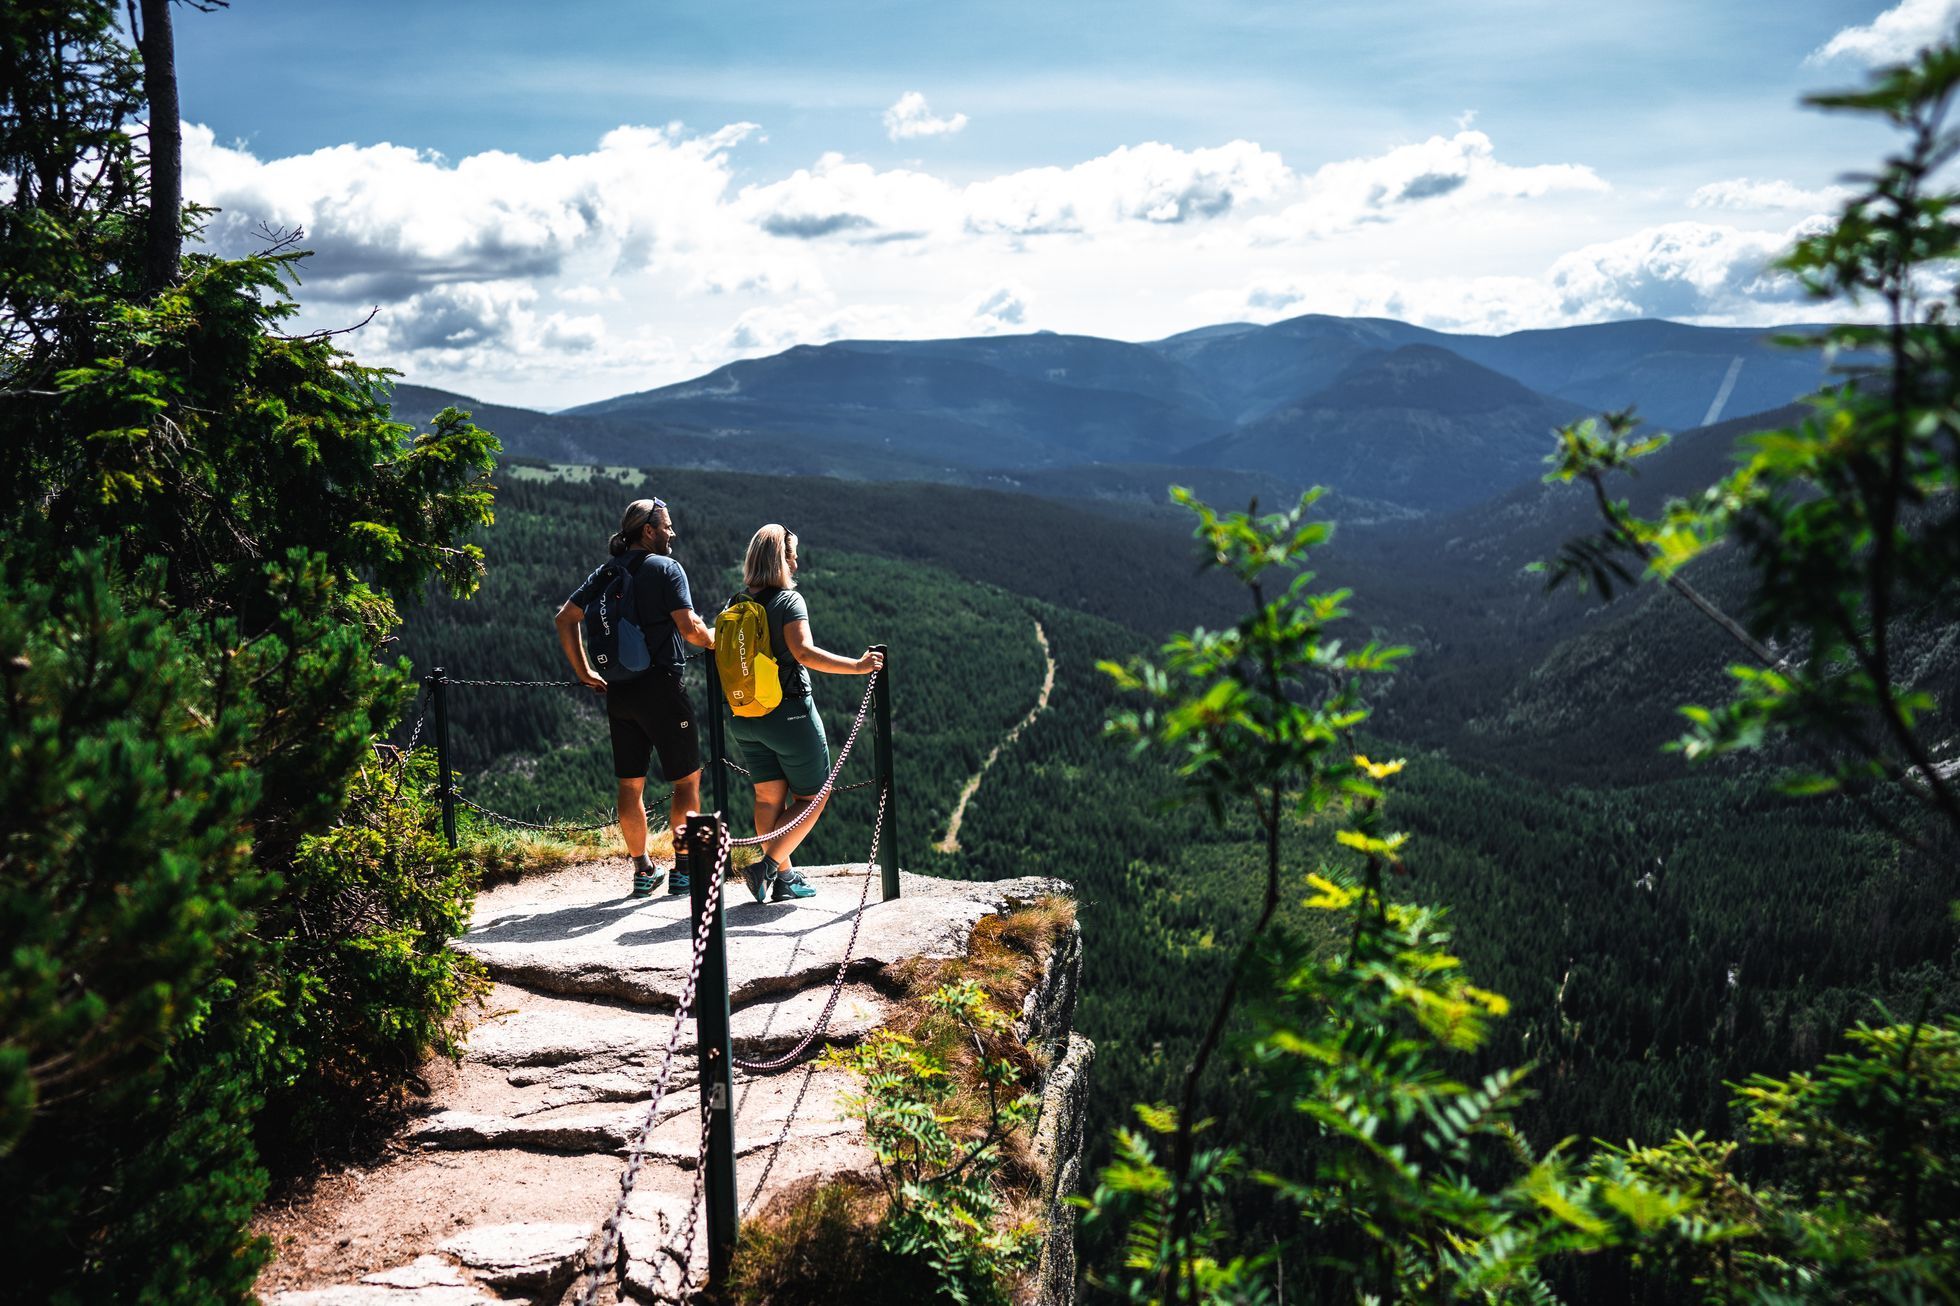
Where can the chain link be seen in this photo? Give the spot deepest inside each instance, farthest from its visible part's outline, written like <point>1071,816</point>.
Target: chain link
<point>791,1057</point>
<point>829,782</point>
<point>683,1009</point>
<point>513,684</point>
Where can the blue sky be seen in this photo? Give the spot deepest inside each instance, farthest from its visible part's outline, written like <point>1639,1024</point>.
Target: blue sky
<point>551,204</point>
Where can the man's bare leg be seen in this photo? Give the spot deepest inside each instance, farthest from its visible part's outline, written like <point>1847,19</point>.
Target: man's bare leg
<point>633,816</point>
<point>685,798</point>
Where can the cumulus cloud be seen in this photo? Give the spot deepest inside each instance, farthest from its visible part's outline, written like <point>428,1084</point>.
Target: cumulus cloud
<point>911,116</point>
<point>1895,35</point>
<point>387,222</point>
<point>1002,308</point>
<point>836,198</point>
<point>1715,275</point>
<point>1456,171</point>
<point>1151,183</point>
<point>1678,270</point>
<point>1742,193</point>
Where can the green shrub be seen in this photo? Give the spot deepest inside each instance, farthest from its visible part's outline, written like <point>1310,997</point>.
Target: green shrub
<point>371,987</point>
<point>126,898</point>
<point>944,1207</point>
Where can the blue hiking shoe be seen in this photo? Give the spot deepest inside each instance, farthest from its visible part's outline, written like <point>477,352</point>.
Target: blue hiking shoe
<point>761,877</point>
<point>678,880</point>
<point>645,882</point>
<point>791,884</point>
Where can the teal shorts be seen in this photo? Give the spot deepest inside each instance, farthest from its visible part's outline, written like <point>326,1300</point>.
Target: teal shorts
<point>788,744</point>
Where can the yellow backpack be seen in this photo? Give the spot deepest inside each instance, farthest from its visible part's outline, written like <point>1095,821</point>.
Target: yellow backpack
<point>743,657</point>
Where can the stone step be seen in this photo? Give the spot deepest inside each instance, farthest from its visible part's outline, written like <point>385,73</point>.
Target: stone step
<point>575,932</point>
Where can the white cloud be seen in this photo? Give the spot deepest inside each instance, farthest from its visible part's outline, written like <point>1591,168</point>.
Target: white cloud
<point>1455,172</point>
<point>1149,183</point>
<point>387,221</point>
<point>1717,276</point>
<point>1895,35</point>
<point>1742,193</point>
<point>850,201</point>
<point>1679,270</point>
<point>911,116</point>
<point>1003,308</point>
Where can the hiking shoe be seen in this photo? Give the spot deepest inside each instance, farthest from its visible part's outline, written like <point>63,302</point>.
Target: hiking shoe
<point>791,884</point>
<point>678,881</point>
<point>645,882</point>
<point>761,877</point>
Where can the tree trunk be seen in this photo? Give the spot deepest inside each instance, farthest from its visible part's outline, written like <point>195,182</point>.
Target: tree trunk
<point>163,238</point>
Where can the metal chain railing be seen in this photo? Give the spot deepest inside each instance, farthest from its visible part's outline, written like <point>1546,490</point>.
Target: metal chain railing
<point>829,781</point>
<point>551,827</point>
<point>795,1054</point>
<point>782,1137</point>
<point>636,1155</point>
<point>515,684</point>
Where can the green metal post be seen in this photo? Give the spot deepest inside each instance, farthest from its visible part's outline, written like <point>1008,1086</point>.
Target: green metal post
<point>438,690</point>
<point>881,711</point>
<point>704,835</point>
<point>717,735</point>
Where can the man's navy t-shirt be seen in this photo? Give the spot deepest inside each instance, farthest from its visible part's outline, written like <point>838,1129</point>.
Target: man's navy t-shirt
<point>659,590</point>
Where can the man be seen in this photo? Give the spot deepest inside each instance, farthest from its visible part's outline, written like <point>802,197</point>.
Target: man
<point>649,714</point>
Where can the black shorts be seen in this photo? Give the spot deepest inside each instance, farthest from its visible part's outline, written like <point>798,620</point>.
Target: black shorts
<point>650,714</point>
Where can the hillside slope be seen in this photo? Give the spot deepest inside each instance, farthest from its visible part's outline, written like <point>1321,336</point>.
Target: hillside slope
<point>1417,425</point>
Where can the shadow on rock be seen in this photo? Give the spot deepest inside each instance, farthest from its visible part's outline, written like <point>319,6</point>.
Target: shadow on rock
<point>565,923</point>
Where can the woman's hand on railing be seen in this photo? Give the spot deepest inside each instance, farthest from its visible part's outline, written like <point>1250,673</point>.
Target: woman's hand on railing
<point>873,660</point>
<point>592,682</point>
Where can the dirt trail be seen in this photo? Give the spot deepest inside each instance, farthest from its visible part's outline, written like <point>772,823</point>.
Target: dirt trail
<point>951,843</point>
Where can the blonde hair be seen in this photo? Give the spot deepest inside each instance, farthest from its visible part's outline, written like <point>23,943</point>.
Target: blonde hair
<point>638,514</point>
<point>767,565</point>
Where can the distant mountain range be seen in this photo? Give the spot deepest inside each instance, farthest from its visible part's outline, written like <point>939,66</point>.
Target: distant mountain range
<point>1397,418</point>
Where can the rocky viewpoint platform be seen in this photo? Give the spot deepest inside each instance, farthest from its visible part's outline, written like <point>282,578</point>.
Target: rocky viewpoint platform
<point>496,1190</point>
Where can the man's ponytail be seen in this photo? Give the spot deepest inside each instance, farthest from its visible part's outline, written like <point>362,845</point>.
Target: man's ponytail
<point>638,514</point>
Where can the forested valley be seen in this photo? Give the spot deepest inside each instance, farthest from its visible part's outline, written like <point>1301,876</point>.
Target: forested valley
<point>1660,933</point>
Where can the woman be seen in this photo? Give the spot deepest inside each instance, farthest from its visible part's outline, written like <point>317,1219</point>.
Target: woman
<point>785,751</point>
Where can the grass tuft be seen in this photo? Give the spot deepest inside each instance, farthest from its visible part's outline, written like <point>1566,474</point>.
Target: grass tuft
<point>816,1244</point>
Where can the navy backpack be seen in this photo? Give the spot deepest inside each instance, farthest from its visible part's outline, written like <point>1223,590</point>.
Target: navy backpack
<point>613,638</point>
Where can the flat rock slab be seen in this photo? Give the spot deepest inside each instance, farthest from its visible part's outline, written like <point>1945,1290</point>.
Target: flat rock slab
<point>576,932</point>
<point>569,1075</point>
<point>536,1260</point>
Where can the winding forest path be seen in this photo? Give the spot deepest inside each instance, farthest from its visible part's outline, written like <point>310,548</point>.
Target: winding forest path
<point>951,843</point>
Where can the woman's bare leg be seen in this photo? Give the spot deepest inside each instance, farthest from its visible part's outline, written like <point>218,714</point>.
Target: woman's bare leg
<point>780,848</point>
<point>771,796</point>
